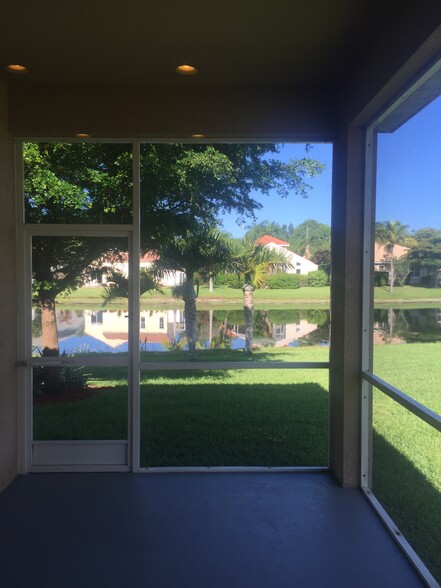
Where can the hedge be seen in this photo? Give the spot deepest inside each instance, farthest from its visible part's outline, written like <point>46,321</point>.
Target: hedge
<point>284,281</point>
<point>229,280</point>
<point>317,279</point>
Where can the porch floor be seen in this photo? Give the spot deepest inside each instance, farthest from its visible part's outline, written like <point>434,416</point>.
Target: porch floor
<point>194,530</point>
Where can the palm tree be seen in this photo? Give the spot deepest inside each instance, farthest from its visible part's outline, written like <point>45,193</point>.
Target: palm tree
<point>197,251</point>
<point>389,234</point>
<point>118,285</point>
<point>256,263</point>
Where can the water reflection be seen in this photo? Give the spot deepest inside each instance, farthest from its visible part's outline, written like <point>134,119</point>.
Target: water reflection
<point>415,325</point>
<point>106,331</point>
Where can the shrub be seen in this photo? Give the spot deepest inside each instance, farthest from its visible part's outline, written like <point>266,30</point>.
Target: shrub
<point>318,278</point>
<point>229,280</point>
<point>303,280</point>
<point>381,278</point>
<point>284,281</point>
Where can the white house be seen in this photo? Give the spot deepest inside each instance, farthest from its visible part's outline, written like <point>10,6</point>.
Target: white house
<point>298,264</point>
<point>120,263</point>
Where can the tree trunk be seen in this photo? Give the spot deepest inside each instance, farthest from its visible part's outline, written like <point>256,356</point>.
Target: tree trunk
<point>211,284</point>
<point>392,274</point>
<point>391,321</point>
<point>50,346</point>
<point>190,315</point>
<point>248,315</point>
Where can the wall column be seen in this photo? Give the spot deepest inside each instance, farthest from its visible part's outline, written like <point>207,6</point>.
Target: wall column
<point>8,304</point>
<point>346,306</point>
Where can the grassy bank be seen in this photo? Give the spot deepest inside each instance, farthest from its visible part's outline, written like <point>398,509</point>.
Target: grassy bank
<point>224,297</point>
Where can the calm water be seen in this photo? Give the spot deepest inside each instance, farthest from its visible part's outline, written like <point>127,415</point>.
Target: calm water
<point>100,331</point>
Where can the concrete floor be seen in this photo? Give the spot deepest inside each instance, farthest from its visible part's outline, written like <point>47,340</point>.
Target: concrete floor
<point>194,530</point>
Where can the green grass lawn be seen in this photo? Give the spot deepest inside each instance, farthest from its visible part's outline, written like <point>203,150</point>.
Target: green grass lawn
<point>208,418</point>
<point>407,293</point>
<point>275,417</point>
<point>407,451</point>
<point>223,296</point>
<point>253,417</point>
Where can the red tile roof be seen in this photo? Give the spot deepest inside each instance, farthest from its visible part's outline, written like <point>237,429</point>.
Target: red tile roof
<point>144,337</point>
<point>149,257</point>
<point>267,239</point>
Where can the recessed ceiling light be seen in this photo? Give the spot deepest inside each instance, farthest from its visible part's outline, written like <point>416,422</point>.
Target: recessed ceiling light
<point>16,68</point>
<point>186,70</point>
<point>198,136</point>
<point>82,136</point>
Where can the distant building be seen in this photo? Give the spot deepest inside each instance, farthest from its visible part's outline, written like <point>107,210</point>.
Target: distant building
<point>382,256</point>
<point>296,264</point>
<point>101,269</point>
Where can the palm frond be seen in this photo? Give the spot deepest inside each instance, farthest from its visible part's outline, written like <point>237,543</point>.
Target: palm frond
<point>257,263</point>
<point>118,285</point>
<point>200,250</point>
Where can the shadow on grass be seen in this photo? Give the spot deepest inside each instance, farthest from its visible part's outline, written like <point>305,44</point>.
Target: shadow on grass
<point>103,416</point>
<point>410,499</point>
<point>234,425</point>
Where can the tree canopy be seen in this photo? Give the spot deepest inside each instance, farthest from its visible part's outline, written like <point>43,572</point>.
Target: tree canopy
<point>255,231</point>
<point>310,232</point>
<point>390,233</point>
<point>187,185</point>
<point>427,251</point>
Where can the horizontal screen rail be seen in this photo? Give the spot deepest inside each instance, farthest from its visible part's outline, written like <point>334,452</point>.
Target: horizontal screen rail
<point>79,230</point>
<point>233,365</point>
<point>171,365</point>
<point>429,416</point>
<point>92,360</point>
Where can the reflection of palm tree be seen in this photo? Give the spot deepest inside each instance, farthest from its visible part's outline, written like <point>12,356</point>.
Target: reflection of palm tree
<point>197,251</point>
<point>222,340</point>
<point>256,263</point>
<point>389,234</point>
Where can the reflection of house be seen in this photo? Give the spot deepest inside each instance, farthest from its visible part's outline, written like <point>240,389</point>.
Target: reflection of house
<point>382,336</point>
<point>69,323</point>
<point>298,264</point>
<point>111,327</point>
<point>286,334</point>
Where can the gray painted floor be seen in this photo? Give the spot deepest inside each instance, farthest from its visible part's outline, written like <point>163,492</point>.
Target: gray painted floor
<point>193,530</point>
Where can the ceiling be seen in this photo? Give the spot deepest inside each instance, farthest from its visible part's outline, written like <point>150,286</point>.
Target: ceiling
<point>242,42</point>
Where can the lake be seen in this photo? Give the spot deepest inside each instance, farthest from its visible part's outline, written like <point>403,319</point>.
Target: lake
<point>106,331</point>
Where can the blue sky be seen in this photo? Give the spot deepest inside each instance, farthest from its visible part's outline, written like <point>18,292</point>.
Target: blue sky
<point>408,179</point>
<point>409,171</point>
<point>295,209</point>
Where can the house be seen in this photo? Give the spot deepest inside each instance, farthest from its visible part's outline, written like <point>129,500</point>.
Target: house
<point>100,270</point>
<point>297,263</point>
<point>339,72</point>
<point>382,255</point>
<point>427,276</point>
<point>419,274</point>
